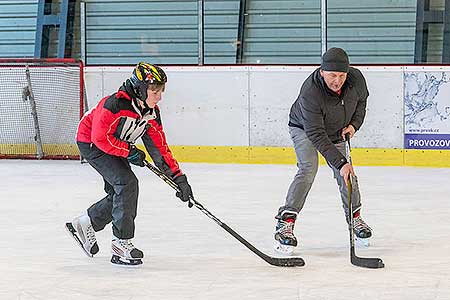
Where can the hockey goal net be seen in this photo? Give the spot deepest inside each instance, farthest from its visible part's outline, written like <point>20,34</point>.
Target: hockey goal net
<point>41,102</point>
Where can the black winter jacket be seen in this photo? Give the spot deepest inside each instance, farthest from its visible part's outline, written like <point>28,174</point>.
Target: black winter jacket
<point>323,114</point>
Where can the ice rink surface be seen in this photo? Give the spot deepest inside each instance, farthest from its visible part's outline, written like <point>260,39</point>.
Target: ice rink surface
<point>188,256</point>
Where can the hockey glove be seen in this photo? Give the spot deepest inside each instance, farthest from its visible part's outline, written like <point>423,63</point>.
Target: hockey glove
<point>136,156</point>
<point>185,192</point>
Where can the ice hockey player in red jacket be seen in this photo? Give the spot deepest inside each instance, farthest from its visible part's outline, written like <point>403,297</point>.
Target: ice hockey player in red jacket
<point>106,138</point>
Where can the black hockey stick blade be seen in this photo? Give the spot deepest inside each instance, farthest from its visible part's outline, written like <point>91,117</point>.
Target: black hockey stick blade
<point>366,262</point>
<point>284,261</point>
<point>275,261</point>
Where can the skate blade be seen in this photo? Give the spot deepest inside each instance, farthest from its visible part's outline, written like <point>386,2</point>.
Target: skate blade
<point>73,233</point>
<point>362,243</point>
<point>124,262</point>
<point>283,249</point>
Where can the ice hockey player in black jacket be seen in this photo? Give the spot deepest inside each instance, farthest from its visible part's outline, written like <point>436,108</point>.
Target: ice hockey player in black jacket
<point>331,104</point>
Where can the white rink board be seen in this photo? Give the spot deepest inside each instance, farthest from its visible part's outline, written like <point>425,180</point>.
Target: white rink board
<point>249,105</point>
<point>206,106</point>
<point>383,125</point>
<point>272,92</point>
<point>201,106</point>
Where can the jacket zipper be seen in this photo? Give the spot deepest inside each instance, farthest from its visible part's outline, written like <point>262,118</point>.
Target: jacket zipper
<point>345,112</point>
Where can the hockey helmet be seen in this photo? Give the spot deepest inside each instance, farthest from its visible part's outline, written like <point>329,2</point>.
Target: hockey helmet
<point>145,74</point>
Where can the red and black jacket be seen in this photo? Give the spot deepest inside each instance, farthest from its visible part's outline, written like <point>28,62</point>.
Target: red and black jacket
<point>116,122</point>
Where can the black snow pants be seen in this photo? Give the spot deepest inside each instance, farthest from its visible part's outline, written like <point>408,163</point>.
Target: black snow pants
<point>121,186</point>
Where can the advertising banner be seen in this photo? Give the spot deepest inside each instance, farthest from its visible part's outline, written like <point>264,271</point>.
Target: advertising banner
<point>427,110</point>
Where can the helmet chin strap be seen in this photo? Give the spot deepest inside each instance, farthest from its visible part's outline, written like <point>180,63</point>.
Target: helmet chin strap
<point>146,107</point>
<point>142,106</point>
<point>143,92</point>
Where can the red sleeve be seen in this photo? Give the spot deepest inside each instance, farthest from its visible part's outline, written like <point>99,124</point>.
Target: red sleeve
<point>104,124</point>
<point>156,134</point>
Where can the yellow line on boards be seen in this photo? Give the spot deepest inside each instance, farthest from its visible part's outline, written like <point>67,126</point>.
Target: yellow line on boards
<point>265,155</point>
<point>286,155</point>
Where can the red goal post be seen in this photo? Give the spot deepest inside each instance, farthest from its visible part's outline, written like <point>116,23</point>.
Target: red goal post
<point>41,103</point>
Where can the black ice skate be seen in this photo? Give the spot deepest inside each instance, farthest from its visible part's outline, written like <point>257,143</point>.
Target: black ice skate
<point>362,231</point>
<point>285,241</point>
<point>80,229</point>
<point>125,253</point>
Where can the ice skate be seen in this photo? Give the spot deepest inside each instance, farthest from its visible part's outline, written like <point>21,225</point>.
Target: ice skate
<point>80,229</point>
<point>362,231</point>
<point>285,241</point>
<point>125,253</point>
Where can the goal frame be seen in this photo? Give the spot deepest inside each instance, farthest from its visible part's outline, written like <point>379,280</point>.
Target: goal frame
<point>57,61</point>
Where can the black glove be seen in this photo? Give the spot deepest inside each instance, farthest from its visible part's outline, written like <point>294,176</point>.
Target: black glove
<point>185,189</point>
<point>136,156</point>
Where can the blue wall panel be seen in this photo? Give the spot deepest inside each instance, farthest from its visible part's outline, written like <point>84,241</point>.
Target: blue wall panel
<point>374,31</point>
<point>276,31</point>
<point>162,32</point>
<point>282,31</point>
<point>17,28</point>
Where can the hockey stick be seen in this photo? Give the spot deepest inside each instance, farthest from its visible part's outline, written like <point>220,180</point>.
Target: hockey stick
<point>275,261</point>
<point>365,262</point>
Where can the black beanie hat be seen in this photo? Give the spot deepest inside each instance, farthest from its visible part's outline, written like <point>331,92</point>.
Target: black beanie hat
<point>335,60</point>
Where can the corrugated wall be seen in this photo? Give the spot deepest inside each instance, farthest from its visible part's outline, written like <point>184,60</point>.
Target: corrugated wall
<point>374,31</point>
<point>435,35</point>
<point>283,31</point>
<point>288,31</point>
<point>164,32</point>
<point>17,28</point>
<point>277,31</point>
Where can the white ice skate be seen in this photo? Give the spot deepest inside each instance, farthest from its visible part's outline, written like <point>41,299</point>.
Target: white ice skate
<point>362,232</point>
<point>80,229</point>
<point>285,240</point>
<point>125,253</point>
<point>283,249</point>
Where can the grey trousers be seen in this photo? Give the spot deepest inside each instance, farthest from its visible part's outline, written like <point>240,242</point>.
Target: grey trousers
<point>307,163</point>
<point>119,206</point>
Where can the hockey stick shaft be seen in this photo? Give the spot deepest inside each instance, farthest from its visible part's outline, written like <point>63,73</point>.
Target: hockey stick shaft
<point>350,205</point>
<point>365,262</point>
<point>276,261</point>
